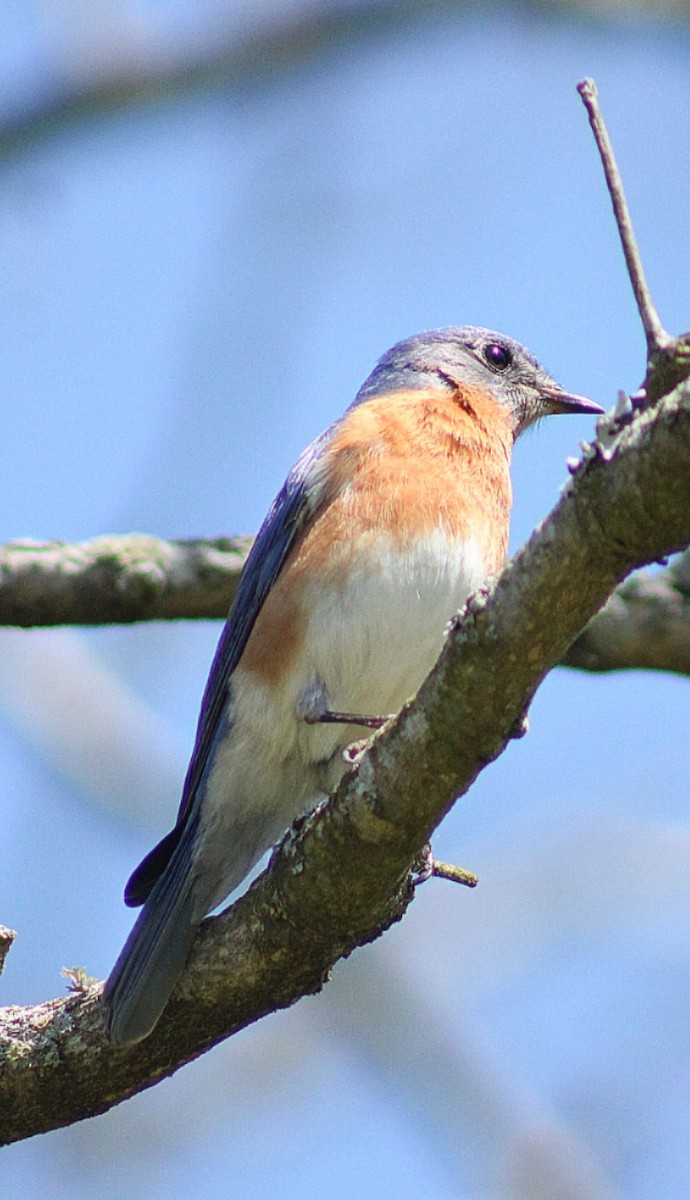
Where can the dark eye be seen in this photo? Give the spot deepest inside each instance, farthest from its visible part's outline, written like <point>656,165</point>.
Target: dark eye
<point>498,357</point>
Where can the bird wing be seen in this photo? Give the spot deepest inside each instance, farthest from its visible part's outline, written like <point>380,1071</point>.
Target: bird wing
<point>298,499</point>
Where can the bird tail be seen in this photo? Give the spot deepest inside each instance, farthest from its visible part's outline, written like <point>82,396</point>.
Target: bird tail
<point>154,955</point>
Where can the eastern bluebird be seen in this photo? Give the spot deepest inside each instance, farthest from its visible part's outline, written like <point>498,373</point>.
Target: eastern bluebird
<point>382,529</point>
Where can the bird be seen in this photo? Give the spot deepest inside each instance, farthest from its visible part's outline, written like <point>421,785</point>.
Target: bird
<point>386,524</point>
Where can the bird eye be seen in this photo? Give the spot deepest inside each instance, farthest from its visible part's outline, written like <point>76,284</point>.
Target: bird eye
<point>498,357</point>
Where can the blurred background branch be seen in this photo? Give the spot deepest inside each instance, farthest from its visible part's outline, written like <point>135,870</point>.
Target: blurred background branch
<point>136,577</point>
<point>110,57</point>
<point>106,65</point>
<point>118,578</point>
<point>644,626</point>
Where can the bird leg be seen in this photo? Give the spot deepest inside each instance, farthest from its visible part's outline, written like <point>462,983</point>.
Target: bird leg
<point>313,706</point>
<point>345,718</point>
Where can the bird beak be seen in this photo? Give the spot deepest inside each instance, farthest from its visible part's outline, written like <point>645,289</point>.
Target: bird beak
<point>567,402</point>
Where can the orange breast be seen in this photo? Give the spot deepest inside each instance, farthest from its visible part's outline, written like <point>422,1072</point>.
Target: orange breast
<point>401,465</point>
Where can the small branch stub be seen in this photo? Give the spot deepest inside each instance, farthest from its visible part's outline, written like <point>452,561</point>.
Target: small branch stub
<point>444,870</point>
<point>7,937</point>
<point>426,866</point>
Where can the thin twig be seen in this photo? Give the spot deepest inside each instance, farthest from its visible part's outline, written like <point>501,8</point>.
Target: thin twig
<point>657,337</point>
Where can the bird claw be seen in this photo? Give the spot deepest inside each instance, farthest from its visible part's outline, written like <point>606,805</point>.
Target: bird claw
<point>353,753</point>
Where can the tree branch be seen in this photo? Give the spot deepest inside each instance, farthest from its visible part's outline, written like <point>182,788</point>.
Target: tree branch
<point>343,874</point>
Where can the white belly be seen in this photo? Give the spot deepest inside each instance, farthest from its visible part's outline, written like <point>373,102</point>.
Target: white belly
<point>372,643</point>
<point>368,646</point>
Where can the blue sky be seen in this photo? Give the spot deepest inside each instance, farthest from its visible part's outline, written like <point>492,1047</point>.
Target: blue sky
<point>192,288</point>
